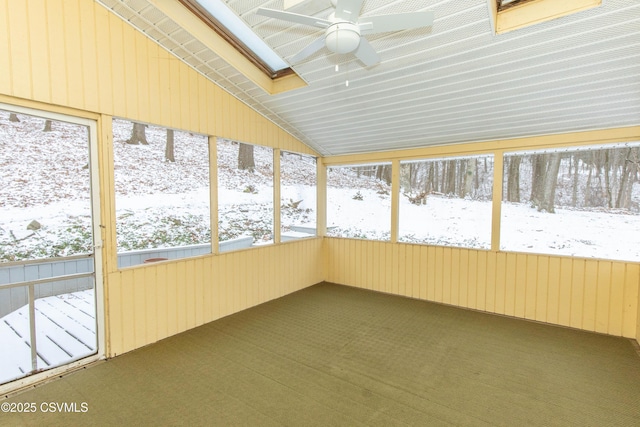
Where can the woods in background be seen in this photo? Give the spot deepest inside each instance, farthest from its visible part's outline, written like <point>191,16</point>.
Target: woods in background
<point>594,178</point>
<point>601,178</point>
<point>470,177</point>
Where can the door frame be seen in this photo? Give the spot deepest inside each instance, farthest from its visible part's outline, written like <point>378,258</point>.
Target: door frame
<point>94,173</point>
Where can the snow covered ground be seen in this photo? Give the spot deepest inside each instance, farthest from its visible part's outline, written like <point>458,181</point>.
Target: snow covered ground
<point>579,233</point>
<point>164,204</point>
<point>446,221</point>
<point>467,223</point>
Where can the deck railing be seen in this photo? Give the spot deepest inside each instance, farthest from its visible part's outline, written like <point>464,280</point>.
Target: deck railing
<point>75,271</point>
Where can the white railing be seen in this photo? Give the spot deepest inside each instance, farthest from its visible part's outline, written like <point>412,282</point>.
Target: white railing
<point>56,276</point>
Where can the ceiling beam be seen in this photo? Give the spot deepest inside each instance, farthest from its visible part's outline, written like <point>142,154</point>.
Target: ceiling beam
<point>571,139</point>
<point>537,11</point>
<point>493,14</point>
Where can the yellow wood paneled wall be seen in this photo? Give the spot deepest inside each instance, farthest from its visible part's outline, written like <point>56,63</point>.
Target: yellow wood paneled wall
<point>638,322</point>
<point>152,302</point>
<point>595,295</point>
<point>76,53</point>
<point>76,57</point>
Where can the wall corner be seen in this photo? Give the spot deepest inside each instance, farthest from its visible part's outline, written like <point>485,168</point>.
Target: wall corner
<point>638,317</point>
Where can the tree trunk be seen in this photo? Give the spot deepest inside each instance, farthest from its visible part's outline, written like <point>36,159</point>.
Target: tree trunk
<point>461,176</point>
<point>47,126</point>
<point>576,175</point>
<point>476,184</point>
<point>138,135</point>
<point>539,167</point>
<point>429,183</point>
<point>245,157</point>
<point>413,175</point>
<point>13,117</point>
<point>451,178</point>
<point>387,174</point>
<point>383,173</point>
<point>513,179</point>
<point>588,190</point>
<point>607,179</point>
<point>436,174</point>
<point>470,173</point>
<point>169,151</point>
<point>624,192</point>
<point>550,181</point>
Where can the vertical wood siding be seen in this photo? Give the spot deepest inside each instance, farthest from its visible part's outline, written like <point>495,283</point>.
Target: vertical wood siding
<point>152,302</point>
<point>75,53</point>
<point>594,295</point>
<point>638,321</point>
<point>76,57</point>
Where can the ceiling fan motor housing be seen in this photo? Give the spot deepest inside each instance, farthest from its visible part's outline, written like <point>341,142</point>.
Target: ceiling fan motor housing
<point>342,37</point>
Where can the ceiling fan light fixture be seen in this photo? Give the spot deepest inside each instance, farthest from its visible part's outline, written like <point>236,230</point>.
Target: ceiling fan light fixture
<point>342,37</point>
<point>345,29</point>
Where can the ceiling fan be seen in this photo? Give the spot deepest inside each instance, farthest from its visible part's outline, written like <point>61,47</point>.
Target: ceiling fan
<point>345,29</point>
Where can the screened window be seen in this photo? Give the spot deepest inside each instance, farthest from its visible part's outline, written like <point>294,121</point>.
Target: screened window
<point>580,202</point>
<point>162,193</point>
<point>45,193</point>
<point>245,195</point>
<point>359,201</point>
<point>298,187</point>
<point>447,202</point>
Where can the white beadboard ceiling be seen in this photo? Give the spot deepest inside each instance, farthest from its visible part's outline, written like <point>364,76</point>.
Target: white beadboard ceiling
<point>455,82</point>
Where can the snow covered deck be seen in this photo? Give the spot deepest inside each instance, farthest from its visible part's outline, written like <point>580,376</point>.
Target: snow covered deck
<point>65,327</point>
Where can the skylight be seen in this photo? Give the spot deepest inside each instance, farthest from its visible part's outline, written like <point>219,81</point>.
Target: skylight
<point>238,29</point>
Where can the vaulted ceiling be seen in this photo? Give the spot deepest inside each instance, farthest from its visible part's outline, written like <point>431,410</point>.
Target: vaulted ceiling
<point>452,83</point>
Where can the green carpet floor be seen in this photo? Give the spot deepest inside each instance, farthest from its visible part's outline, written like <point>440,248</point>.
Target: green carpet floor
<point>337,356</point>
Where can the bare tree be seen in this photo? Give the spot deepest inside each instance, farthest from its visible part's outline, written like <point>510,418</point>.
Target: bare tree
<point>607,178</point>
<point>513,178</point>
<point>628,173</point>
<point>138,135</point>
<point>169,151</point>
<point>588,193</point>
<point>245,157</point>
<point>383,173</point>
<point>449,177</point>
<point>576,175</point>
<point>547,193</point>
<point>435,175</point>
<point>470,173</point>
<point>538,171</point>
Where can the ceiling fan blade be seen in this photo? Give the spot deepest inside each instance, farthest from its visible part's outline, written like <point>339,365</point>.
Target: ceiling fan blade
<point>366,53</point>
<point>395,22</point>
<point>308,51</point>
<point>349,10</point>
<point>294,17</point>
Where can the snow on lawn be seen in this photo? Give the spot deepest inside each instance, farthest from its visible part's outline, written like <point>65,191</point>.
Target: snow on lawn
<point>570,232</point>
<point>467,223</point>
<point>163,204</point>
<point>359,213</point>
<point>44,177</point>
<point>446,221</point>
